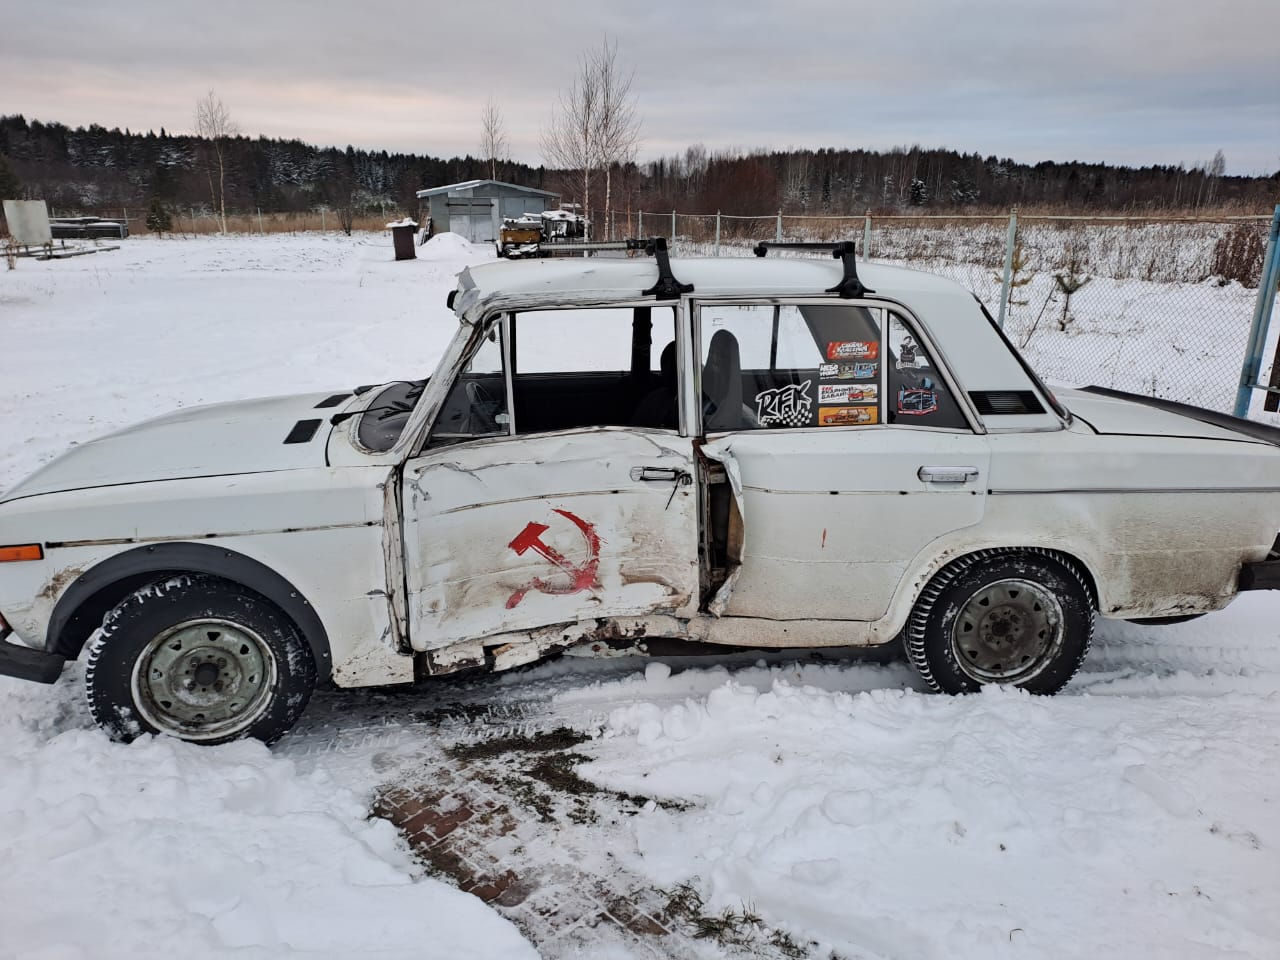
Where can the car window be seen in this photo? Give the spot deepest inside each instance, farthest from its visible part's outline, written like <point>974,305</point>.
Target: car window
<point>573,341</point>
<point>594,367</point>
<point>477,403</point>
<point>788,366</point>
<point>917,393</point>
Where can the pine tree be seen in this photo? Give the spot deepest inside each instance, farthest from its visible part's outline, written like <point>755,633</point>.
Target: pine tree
<point>9,186</point>
<point>158,219</point>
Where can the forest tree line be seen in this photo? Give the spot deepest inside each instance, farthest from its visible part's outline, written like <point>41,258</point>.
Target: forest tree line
<point>97,170</point>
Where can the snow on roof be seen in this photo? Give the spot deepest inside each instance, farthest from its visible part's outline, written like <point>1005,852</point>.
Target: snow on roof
<point>606,278</point>
<point>471,184</point>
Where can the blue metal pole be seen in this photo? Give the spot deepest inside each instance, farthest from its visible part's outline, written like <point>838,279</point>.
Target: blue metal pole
<point>1257,342</point>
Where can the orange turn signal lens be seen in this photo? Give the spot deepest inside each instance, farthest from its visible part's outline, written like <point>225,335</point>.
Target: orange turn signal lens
<point>27,551</point>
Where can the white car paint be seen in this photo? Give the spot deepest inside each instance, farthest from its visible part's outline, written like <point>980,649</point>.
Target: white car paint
<point>222,439</point>
<point>407,556</point>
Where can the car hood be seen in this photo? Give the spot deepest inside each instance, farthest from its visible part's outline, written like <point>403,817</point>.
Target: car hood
<point>221,439</point>
<point>1116,415</point>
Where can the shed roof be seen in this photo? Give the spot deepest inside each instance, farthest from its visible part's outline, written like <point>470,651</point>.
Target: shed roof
<point>471,184</point>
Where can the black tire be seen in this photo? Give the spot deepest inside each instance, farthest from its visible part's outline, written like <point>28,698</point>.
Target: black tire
<point>200,659</point>
<point>1013,617</point>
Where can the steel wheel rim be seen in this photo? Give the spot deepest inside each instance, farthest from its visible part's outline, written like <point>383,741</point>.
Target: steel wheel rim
<point>204,679</point>
<point>1007,632</point>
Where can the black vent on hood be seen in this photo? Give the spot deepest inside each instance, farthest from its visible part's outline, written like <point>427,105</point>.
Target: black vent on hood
<point>1003,403</point>
<point>302,431</point>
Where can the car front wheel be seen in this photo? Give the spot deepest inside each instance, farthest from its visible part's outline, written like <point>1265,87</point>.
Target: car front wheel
<point>1017,617</point>
<point>199,659</point>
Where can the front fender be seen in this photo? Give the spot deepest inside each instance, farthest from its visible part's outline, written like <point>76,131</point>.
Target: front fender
<point>80,609</point>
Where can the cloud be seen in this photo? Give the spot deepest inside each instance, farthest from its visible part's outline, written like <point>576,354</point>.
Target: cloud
<point>1141,82</point>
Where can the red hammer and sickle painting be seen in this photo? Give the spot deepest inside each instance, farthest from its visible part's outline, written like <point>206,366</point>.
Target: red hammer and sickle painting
<point>581,576</point>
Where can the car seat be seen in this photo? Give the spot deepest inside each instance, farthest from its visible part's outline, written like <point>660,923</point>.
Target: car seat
<point>722,384</point>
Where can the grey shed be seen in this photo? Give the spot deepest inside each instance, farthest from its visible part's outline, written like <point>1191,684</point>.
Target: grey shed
<point>475,209</point>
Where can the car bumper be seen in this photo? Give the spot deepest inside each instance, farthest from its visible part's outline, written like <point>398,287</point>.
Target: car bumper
<point>25,663</point>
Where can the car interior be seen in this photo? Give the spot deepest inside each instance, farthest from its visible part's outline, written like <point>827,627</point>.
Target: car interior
<point>635,379</point>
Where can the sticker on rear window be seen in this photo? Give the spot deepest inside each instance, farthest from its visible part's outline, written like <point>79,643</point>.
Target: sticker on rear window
<point>787,406</point>
<point>847,393</point>
<point>846,416</point>
<point>914,402</point>
<point>853,350</point>
<point>848,371</point>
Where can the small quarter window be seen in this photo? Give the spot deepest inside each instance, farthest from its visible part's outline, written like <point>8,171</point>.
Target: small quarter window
<point>917,393</point>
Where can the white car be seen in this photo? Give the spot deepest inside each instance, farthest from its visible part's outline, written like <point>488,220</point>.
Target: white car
<point>715,451</point>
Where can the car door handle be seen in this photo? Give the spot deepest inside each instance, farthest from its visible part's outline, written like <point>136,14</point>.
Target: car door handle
<point>660,474</point>
<point>947,474</point>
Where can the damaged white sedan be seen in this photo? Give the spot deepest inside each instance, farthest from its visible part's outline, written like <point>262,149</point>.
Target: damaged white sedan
<point>744,453</point>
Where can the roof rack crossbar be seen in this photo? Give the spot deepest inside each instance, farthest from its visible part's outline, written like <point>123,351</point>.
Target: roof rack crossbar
<point>849,286</point>
<point>667,287</point>
<point>587,246</point>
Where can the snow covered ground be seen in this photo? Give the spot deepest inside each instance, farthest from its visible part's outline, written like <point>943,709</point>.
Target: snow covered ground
<point>825,803</point>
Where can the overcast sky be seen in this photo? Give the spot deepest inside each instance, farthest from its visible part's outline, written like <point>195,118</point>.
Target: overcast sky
<point>1121,81</point>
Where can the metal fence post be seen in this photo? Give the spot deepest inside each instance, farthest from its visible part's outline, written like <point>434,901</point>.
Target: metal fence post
<point>1257,342</point>
<point>717,233</point>
<point>673,226</point>
<point>778,236</point>
<point>1010,241</point>
<point>866,237</point>
<point>639,223</point>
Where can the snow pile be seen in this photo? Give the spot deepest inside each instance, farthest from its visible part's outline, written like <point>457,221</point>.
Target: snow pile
<point>892,824</point>
<point>137,851</point>
<point>454,246</point>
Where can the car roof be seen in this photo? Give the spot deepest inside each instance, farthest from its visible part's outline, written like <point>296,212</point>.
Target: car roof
<point>604,279</point>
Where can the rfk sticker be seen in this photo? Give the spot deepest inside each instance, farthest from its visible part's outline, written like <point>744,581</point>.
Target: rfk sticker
<point>853,350</point>
<point>846,416</point>
<point>847,393</point>
<point>787,406</point>
<point>847,371</point>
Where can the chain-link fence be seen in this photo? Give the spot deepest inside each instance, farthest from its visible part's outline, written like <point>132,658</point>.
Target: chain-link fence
<point>1153,306</point>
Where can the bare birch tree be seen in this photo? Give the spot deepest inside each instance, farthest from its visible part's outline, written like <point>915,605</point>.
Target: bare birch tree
<point>493,136</point>
<point>213,122</point>
<point>617,125</point>
<point>569,138</point>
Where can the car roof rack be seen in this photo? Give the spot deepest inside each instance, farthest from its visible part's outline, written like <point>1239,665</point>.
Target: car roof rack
<point>849,286</point>
<point>667,287</point>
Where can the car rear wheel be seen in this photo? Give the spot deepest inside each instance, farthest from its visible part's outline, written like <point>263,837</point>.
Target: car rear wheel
<point>199,659</point>
<point>1022,618</point>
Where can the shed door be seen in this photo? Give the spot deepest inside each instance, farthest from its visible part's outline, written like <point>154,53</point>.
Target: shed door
<point>473,218</point>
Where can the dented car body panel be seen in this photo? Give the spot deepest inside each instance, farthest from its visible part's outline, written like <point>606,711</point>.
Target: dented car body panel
<point>563,528</point>
<point>805,498</point>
